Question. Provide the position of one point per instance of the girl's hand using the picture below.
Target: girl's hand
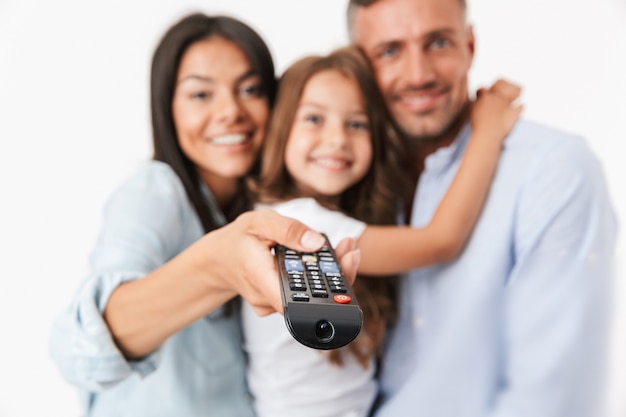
(495, 112)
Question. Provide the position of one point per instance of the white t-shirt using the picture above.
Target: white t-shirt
(289, 379)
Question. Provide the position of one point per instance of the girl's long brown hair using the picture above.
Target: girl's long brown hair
(375, 199)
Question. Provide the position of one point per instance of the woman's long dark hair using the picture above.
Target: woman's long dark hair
(165, 64)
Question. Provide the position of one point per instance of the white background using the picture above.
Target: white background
(74, 122)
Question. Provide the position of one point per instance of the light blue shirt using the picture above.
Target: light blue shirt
(518, 325)
(199, 371)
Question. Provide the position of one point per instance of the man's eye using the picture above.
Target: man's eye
(388, 52)
(439, 44)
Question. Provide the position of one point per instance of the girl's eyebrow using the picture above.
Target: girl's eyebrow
(358, 112)
(310, 104)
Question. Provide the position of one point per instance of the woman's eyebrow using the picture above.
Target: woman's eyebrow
(196, 78)
(249, 73)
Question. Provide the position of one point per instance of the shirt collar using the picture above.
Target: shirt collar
(444, 157)
(216, 212)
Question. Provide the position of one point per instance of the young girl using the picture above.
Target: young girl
(333, 161)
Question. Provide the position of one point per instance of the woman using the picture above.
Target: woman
(148, 333)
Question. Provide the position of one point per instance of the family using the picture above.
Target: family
(480, 245)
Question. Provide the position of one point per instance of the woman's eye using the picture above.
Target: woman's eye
(201, 95)
(252, 90)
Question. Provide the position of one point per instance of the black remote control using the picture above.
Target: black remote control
(320, 308)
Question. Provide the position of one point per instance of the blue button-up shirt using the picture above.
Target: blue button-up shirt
(199, 371)
(517, 326)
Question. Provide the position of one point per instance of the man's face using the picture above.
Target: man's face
(421, 51)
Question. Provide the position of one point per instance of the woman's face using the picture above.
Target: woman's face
(329, 147)
(220, 112)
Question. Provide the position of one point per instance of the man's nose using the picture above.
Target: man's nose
(419, 70)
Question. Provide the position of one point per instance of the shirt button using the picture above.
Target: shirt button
(418, 321)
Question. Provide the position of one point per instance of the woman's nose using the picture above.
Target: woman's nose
(227, 108)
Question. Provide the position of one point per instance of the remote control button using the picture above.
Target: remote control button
(342, 299)
(329, 267)
(320, 293)
(309, 259)
(299, 296)
(292, 265)
(297, 287)
(335, 288)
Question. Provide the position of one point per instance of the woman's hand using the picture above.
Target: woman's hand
(235, 259)
(239, 256)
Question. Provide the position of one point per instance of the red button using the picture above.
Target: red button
(342, 299)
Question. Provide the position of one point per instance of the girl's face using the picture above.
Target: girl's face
(329, 147)
(220, 112)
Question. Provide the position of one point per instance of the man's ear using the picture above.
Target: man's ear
(471, 44)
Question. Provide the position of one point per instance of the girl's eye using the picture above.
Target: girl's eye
(313, 119)
(357, 125)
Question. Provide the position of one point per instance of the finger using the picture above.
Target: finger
(270, 226)
(265, 311)
(506, 89)
(350, 264)
(346, 245)
(349, 257)
(480, 92)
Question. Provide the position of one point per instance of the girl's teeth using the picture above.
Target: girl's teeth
(331, 163)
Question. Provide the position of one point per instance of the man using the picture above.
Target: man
(517, 326)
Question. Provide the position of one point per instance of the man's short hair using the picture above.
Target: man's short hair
(353, 5)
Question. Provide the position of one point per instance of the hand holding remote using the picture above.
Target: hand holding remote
(320, 308)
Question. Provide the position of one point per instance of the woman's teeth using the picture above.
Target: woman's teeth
(233, 139)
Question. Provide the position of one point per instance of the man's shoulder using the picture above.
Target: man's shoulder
(534, 140)
(530, 133)
(545, 152)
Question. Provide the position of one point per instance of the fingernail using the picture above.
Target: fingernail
(311, 240)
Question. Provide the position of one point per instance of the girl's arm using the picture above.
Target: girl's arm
(492, 118)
